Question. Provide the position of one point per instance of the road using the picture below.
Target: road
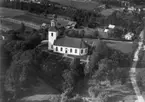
(133, 69)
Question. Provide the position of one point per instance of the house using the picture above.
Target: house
(129, 36)
(110, 26)
(65, 45)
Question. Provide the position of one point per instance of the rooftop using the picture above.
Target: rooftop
(70, 42)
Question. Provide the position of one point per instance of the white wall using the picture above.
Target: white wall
(68, 50)
(84, 51)
(51, 39)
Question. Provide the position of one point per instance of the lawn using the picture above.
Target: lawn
(33, 19)
(11, 25)
(7, 12)
(22, 15)
(78, 4)
(124, 47)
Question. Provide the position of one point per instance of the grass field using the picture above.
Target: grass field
(12, 26)
(34, 19)
(124, 47)
(22, 15)
(10, 12)
(121, 46)
(78, 4)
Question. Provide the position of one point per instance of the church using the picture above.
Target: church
(65, 45)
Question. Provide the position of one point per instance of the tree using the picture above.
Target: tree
(81, 33)
(21, 29)
(69, 82)
(141, 79)
(4, 60)
(22, 72)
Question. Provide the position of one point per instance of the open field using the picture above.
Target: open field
(22, 15)
(12, 26)
(10, 12)
(78, 4)
(30, 18)
(124, 47)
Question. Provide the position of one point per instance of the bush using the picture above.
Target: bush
(69, 78)
(141, 79)
(76, 98)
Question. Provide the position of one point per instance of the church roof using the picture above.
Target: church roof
(70, 42)
(53, 29)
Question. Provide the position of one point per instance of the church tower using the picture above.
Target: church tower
(52, 34)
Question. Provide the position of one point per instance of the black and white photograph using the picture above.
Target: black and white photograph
(72, 50)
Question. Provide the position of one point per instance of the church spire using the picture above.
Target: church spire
(53, 21)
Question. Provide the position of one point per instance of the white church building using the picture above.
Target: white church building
(65, 45)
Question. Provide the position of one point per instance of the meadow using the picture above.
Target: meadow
(78, 4)
(7, 12)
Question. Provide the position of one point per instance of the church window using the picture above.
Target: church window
(86, 50)
(51, 34)
(61, 49)
(52, 46)
(70, 50)
(82, 51)
(56, 48)
(75, 50)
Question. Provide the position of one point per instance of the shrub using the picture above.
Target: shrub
(141, 79)
(69, 78)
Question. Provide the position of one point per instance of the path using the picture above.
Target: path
(133, 70)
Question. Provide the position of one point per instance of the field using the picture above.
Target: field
(124, 47)
(12, 26)
(10, 12)
(77, 4)
(31, 18)
(22, 15)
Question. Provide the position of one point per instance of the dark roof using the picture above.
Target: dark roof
(70, 42)
(63, 22)
(53, 29)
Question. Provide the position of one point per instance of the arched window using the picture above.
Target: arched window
(70, 50)
(75, 50)
(81, 51)
(51, 34)
(56, 49)
(61, 49)
(86, 50)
